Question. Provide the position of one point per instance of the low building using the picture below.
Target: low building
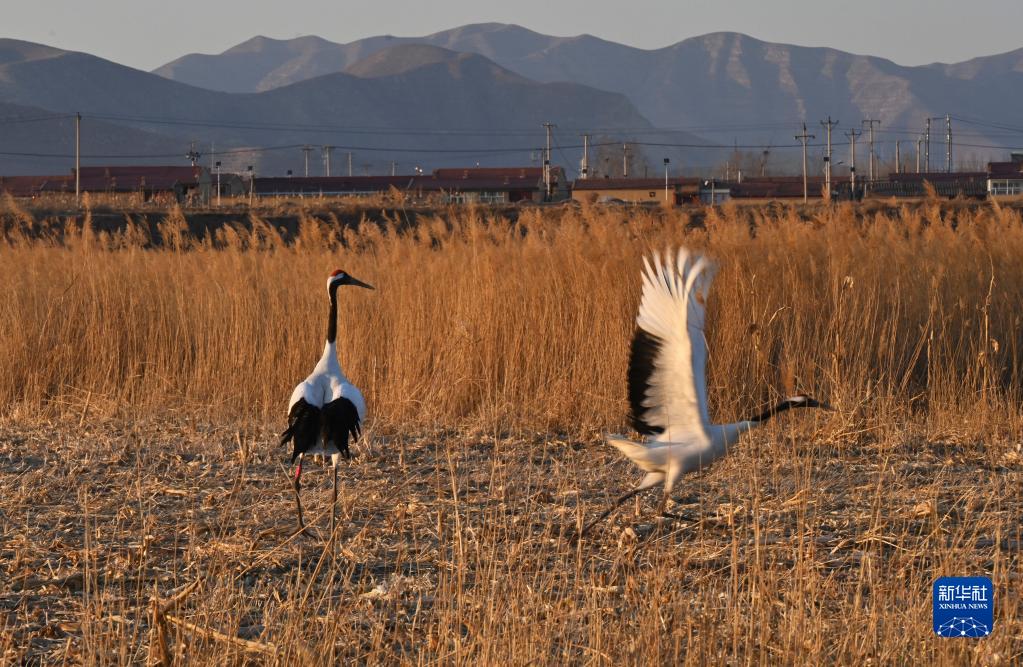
(773, 188)
(494, 185)
(674, 191)
(184, 184)
(328, 186)
(227, 184)
(970, 184)
(1005, 179)
(24, 186)
(187, 184)
(471, 185)
(714, 192)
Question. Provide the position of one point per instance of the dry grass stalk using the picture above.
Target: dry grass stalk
(151, 381)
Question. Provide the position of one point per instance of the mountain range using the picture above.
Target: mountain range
(479, 93)
(413, 104)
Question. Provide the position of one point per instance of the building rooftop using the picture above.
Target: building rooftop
(1012, 169)
(631, 183)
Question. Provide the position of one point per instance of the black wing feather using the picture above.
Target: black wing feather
(304, 425)
(340, 421)
(645, 348)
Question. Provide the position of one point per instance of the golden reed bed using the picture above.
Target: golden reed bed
(141, 386)
(476, 319)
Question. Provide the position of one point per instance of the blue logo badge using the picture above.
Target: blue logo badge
(964, 607)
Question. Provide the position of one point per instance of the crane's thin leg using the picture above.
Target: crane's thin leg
(608, 511)
(661, 508)
(295, 485)
(333, 507)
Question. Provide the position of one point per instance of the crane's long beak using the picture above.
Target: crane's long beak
(359, 283)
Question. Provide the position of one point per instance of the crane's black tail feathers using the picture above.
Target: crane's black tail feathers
(337, 423)
(303, 428)
(340, 424)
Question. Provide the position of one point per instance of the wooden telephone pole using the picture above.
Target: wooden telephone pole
(803, 138)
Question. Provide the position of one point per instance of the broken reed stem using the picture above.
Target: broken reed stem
(159, 652)
(209, 633)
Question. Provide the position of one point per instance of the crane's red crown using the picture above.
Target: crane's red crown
(336, 272)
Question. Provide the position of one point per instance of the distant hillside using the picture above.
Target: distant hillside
(727, 86)
(446, 109)
(405, 58)
(262, 63)
(32, 141)
(13, 50)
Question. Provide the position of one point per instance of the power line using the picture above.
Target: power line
(568, 163)
(980, 123)
(235, 124)
(34, 119)
(139, 156)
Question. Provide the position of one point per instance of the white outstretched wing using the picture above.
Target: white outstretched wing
(667, 369)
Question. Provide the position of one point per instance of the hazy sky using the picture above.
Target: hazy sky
(147, 33)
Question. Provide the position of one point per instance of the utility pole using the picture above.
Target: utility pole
(547, 126)
(763, 162)
(585, 171)
(193, 155)
(394, 168)
(919, 140)
(306, 150)
(827, 158)
(872, 166)
(898, 157)
(78, 159)
(666, 162)
(948, 143)
(625, 160)
(852, 134)
(349, 163)
(927, 147)
(802, 138)
(326, 159)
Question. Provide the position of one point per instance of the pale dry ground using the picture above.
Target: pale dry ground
(811, 545)
(142, 390)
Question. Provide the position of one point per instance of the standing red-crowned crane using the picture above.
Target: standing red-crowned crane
(668, 381)
(325, 410)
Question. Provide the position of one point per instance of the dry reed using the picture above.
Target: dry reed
(141, 385)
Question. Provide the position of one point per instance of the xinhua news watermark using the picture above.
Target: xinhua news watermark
(964, 607)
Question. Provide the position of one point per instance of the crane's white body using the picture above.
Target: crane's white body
(666, 461)
(325, 411)
(668, 381)
(327, 383)
(676, 396)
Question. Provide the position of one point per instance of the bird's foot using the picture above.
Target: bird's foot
(691, 499)
(574, 535)
(306, 531)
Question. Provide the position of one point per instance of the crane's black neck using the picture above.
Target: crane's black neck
(332, 317)
(787, 404)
